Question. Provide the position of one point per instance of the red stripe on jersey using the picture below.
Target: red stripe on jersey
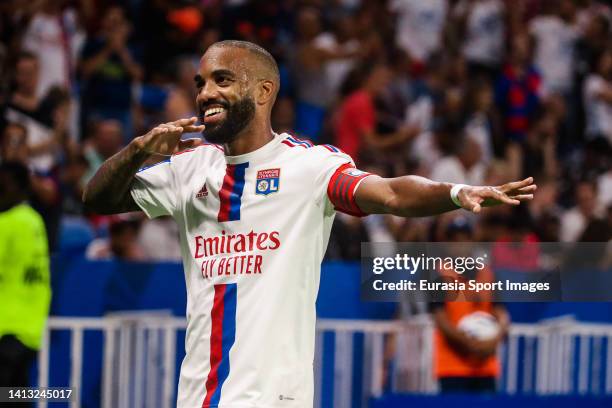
(341, 190)
(332, 187)
(225, 192)
(292, 144)
(307, 141)
(288, 143)
(216, 344)
(214, 145)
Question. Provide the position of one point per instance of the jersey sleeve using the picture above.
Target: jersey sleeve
(339, 180)
(154, 190)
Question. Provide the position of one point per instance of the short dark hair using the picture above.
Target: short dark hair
(261, 53)
(26, 55)
(19, 173)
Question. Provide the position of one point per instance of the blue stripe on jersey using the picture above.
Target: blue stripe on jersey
(229, 336)
(300, 142)
(236, 194)
(167, 160)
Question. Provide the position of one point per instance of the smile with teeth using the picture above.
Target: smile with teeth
(213, 111)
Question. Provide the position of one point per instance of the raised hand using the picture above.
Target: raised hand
(108, 192)
(165, 139)
(473, 198)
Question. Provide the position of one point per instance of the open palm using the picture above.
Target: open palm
(473, 198)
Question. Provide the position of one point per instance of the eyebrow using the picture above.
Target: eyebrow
(226, 72)
(198, 78)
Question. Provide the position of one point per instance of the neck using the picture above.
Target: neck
(8, 206)
(251, 138)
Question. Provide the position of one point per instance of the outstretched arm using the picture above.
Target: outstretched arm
(414, 196)
(108, 192)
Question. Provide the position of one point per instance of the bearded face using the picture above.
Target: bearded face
(225, 120)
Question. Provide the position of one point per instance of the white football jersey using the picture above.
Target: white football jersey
(253, 231)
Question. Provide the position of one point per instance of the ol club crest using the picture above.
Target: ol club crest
(267, 181)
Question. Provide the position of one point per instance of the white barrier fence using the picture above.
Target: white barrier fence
(559, 356)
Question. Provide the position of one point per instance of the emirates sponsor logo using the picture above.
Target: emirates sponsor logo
(235, 243)
(234, 254)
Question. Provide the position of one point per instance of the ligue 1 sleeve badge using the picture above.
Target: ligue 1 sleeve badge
(267, 181)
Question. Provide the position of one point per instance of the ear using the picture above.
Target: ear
(265, 91)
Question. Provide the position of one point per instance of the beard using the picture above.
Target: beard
(238, 116)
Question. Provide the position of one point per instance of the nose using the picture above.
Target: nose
(208, 92)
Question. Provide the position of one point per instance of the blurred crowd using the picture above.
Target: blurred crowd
(464, 91)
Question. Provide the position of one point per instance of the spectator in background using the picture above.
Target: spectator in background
(182, 93)
(13, 144)
(517, 90)
(483, 24)
(27, 77)
(545, 211)
(71, 184)
(45, 119)
(597, 94)
(122, 243)
(24, 277)
(464, 363)
(106, 140)
(537, 155)
(555, 35)
(420, 27)
(591, 44)
(55, 36)
(574, 221)
(179, 103)
(109, 68)
(283, 115)
(483, 122)
(591, 162)
(604, 186)
(309, 63)
(463, 167)
(355, 121)
(45, 194)
(341, 40)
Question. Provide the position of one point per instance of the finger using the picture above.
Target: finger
(528, 189)
(184, 122)
(159, 130)
(505, 199)
(172, 128)
(472, 206)
(516, 185)
(499, 196)
(189, 143)
(194, 128)
(523, 197)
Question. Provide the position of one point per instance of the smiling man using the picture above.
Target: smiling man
(255, 209)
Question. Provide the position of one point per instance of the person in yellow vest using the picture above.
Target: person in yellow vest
(467, 332)
(25, 291)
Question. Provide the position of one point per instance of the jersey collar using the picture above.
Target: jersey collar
(262, 153)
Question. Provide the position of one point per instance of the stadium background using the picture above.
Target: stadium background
(480, 92)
